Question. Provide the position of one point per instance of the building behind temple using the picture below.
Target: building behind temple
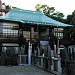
(3, 9)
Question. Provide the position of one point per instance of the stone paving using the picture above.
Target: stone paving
(22, 70)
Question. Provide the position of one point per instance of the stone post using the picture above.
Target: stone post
(29, 54)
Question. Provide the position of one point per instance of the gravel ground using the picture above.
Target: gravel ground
(22, 70)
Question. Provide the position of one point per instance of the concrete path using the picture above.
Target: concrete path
(22, 70)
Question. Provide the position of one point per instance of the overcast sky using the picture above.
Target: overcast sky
(64, 6)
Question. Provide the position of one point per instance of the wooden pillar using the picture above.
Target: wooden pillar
(37, 38)
(50, 31)
(38, 44)
(20, 35)
(49, 51)
(57, 41)
(32, 32)
(38, 35)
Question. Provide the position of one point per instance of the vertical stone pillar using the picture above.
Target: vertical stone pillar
(55, 57)
(29, 53)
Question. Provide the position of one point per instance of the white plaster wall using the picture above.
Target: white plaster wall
(10, 23)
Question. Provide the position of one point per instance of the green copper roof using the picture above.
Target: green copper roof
(34, 17)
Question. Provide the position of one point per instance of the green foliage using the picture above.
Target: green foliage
(73, 13)
(8, 7)
(37, 7)
(71, 18)
(45, 9)
(49, 11)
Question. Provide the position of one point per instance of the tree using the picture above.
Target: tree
(73, 18)
(49, 11)
(58, 14)
(45, 9)
(8, 7)
(71, 31)
(37, 7)
(69, 18)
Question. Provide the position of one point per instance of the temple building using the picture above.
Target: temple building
(25, 33)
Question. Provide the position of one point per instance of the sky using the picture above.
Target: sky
(64, 6)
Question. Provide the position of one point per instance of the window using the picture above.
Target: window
(10, 31)
(58, 32)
